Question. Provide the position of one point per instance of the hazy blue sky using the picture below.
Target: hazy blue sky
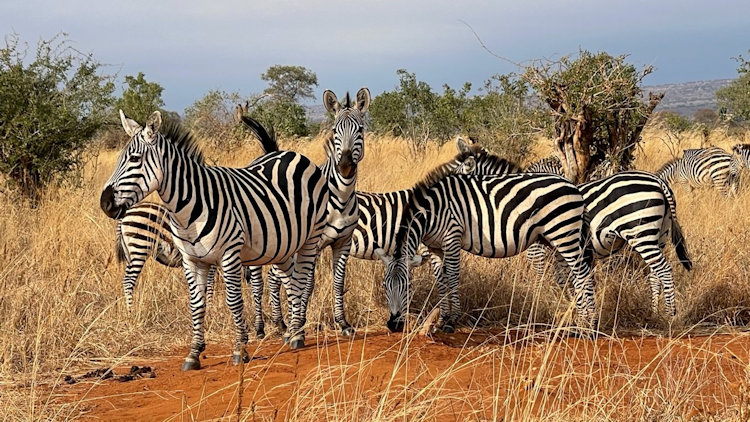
(191, 47)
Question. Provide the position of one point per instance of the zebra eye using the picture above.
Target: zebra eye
(134, 158)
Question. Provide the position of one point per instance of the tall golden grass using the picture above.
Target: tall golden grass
(62, 305)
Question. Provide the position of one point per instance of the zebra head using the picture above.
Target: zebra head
(348, 129)
(742, 151)
(138, 171)
(472, 158)
(397, 285)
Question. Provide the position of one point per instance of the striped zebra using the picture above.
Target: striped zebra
(491, 216)
(634, 208)
(742, 154)
(270, 212)
(344, 150)
(703, 167)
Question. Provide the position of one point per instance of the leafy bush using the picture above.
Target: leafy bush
(213, 117)
(734, 100)
(50, 108)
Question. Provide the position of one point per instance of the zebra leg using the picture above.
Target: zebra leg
(660, 276)
(254, 277)
(583, 287)
(231, 266)
(450, 278)
(299, 288)
(275, 277)
(132, 272)
(436, 261)
(340, 256)
(537, 255)
(196, 274)
(210, 284)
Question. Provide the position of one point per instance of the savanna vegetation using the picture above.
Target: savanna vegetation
(64, 313)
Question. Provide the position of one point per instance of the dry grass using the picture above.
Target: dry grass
(62, 305)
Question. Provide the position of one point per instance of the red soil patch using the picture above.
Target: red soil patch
(482, 376)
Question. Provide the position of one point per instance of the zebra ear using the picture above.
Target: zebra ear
(330, 101)
(461, 145)
(130, 125)
(363, 99)
(152, 126)
(387, 259)
(415, 261)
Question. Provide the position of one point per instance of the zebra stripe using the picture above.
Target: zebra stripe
(344, 150)
(490, 216)
(271, 212)
(702, 167)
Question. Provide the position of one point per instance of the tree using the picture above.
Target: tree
(213, 117)
(734, 99)
(285, 117)
(50, 108)
(290, 83)
(705, 116)
(597, 107)
(140, 98)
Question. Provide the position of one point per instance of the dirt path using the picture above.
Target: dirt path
(485, 375)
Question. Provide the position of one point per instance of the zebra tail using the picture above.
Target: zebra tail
(588, 244)
(678, 240)
(268, 142)
(120, 244)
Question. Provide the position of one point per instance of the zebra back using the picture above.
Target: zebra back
(549, 164)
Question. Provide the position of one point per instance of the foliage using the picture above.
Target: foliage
(50, 108)
(734, 100)
(212, 116)
(598, 111)
(287, 118)
(498, 116)
(290, 83)
(672, 121)
(140, 98)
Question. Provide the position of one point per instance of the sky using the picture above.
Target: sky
(191, 47)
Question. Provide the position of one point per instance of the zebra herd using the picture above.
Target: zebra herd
(282, 210)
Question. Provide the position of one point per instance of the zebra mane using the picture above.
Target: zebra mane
(545, 162)
(347, 101)
(183, 139)
(496, 161)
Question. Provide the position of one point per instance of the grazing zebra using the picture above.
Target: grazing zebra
(272, 211)
(491, 216)
(702, 167)
(344, 150)
(630, 207)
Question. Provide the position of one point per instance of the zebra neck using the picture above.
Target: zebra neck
(413, 227)
(185, 186)
(340, 187)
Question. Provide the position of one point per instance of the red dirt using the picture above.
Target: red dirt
(457, 376)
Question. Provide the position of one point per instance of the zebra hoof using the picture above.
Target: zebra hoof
(448, 329)
(239, 357)
(191, 364)
(285, 338)
(297, 344)
(260, 335)
(347, 331)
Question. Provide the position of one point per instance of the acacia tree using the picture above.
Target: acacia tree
(597, 107)
(50, 108)
(290, 83)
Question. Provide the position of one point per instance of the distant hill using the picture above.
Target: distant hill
(684, 98)
(688, 97)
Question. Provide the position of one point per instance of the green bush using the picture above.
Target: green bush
(50, 107)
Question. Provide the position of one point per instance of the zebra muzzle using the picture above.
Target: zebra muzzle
(346, 166)
(107, 203)
(395, 323)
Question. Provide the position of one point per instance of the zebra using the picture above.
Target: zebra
(491, 216)
(633, 207)
(742, 154)
(702, 167)
(344, 150)
(272, 211)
